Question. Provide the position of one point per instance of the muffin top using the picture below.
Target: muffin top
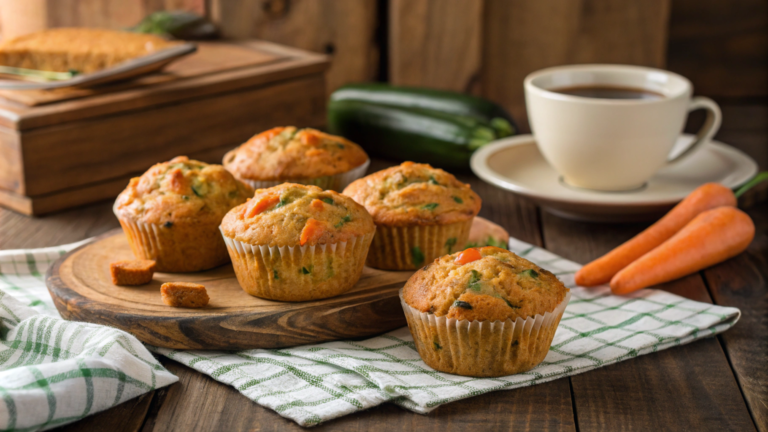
(285, 153)
(292, 214)
(487, 283)
(414, 194)
(181, 190)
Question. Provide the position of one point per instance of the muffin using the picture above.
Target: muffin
(483, 312)
(84, 50)
(171, 214)
(292, 155)
(420, 212)
(296, 243)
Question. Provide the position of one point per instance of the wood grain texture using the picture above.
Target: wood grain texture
(742, 282)
(62, 167)
(343, 29)
(82, 290)
(126, 417)
(19, 231)
(690, 387)
(721, 46)
(199, 403)
(200, 82)
(522, 36)
(436, 43)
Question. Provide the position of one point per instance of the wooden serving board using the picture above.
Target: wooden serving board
(81, 287)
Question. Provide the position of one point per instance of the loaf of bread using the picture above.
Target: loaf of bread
(77, 49)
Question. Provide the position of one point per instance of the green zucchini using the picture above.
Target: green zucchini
(433, 100)
(442, 139)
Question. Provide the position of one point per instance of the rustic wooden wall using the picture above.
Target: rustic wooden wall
(722, 46)
(522, 36)
(436, 43)
(344, 29)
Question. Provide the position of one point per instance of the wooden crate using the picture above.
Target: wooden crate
(60, 149)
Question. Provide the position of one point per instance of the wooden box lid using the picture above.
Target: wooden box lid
(216, 67)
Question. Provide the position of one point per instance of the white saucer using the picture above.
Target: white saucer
(515, 164)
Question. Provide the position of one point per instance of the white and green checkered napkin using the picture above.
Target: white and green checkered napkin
(54, 371)
(315, 383)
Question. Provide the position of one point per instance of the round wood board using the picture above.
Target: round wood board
(82, 290)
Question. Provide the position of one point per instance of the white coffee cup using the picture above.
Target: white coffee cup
(612, 144)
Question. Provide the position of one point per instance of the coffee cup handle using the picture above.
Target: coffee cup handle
(711, 125)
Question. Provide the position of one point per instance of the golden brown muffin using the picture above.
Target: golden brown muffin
(494, 288)
(420, 212)
(292, 155)
(295, 243)
(83, 50)
(171, 214)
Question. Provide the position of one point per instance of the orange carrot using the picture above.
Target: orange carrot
(316, 205)
(705, 197)
(262, 204)
(468, 256)
(711, 237)
(312, 230)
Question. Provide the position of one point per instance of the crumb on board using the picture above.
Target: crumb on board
(132, 272)
(184, 294)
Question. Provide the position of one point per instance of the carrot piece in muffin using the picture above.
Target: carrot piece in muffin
(316, 204)
(312, 230)
(184, 294)
(468, 256)
(263, 204)
(132, 272)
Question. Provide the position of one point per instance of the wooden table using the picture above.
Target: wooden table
(718, 383)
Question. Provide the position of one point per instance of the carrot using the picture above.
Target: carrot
(468, 256)
(256, 207)
(705, 197)
(312, 230)
(316, 205)
(711, 237)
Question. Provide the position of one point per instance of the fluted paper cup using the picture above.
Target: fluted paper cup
(335, 182)
(410, 247)
(482, 348)
(176, 247)
(298, 273)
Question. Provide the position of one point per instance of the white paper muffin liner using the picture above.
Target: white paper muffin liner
(482, 348)
(179, 248)
(410, 247)
(335, 182)
(298, 273)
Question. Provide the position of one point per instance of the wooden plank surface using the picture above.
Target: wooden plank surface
(737, 283)
(436, 43)
(522, 36)
(343, 29)
(636, 393)
(690, 387)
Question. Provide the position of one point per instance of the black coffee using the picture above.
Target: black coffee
(605, 92)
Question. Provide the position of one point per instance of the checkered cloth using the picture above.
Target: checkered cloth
(54, 371)
(315, 383)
